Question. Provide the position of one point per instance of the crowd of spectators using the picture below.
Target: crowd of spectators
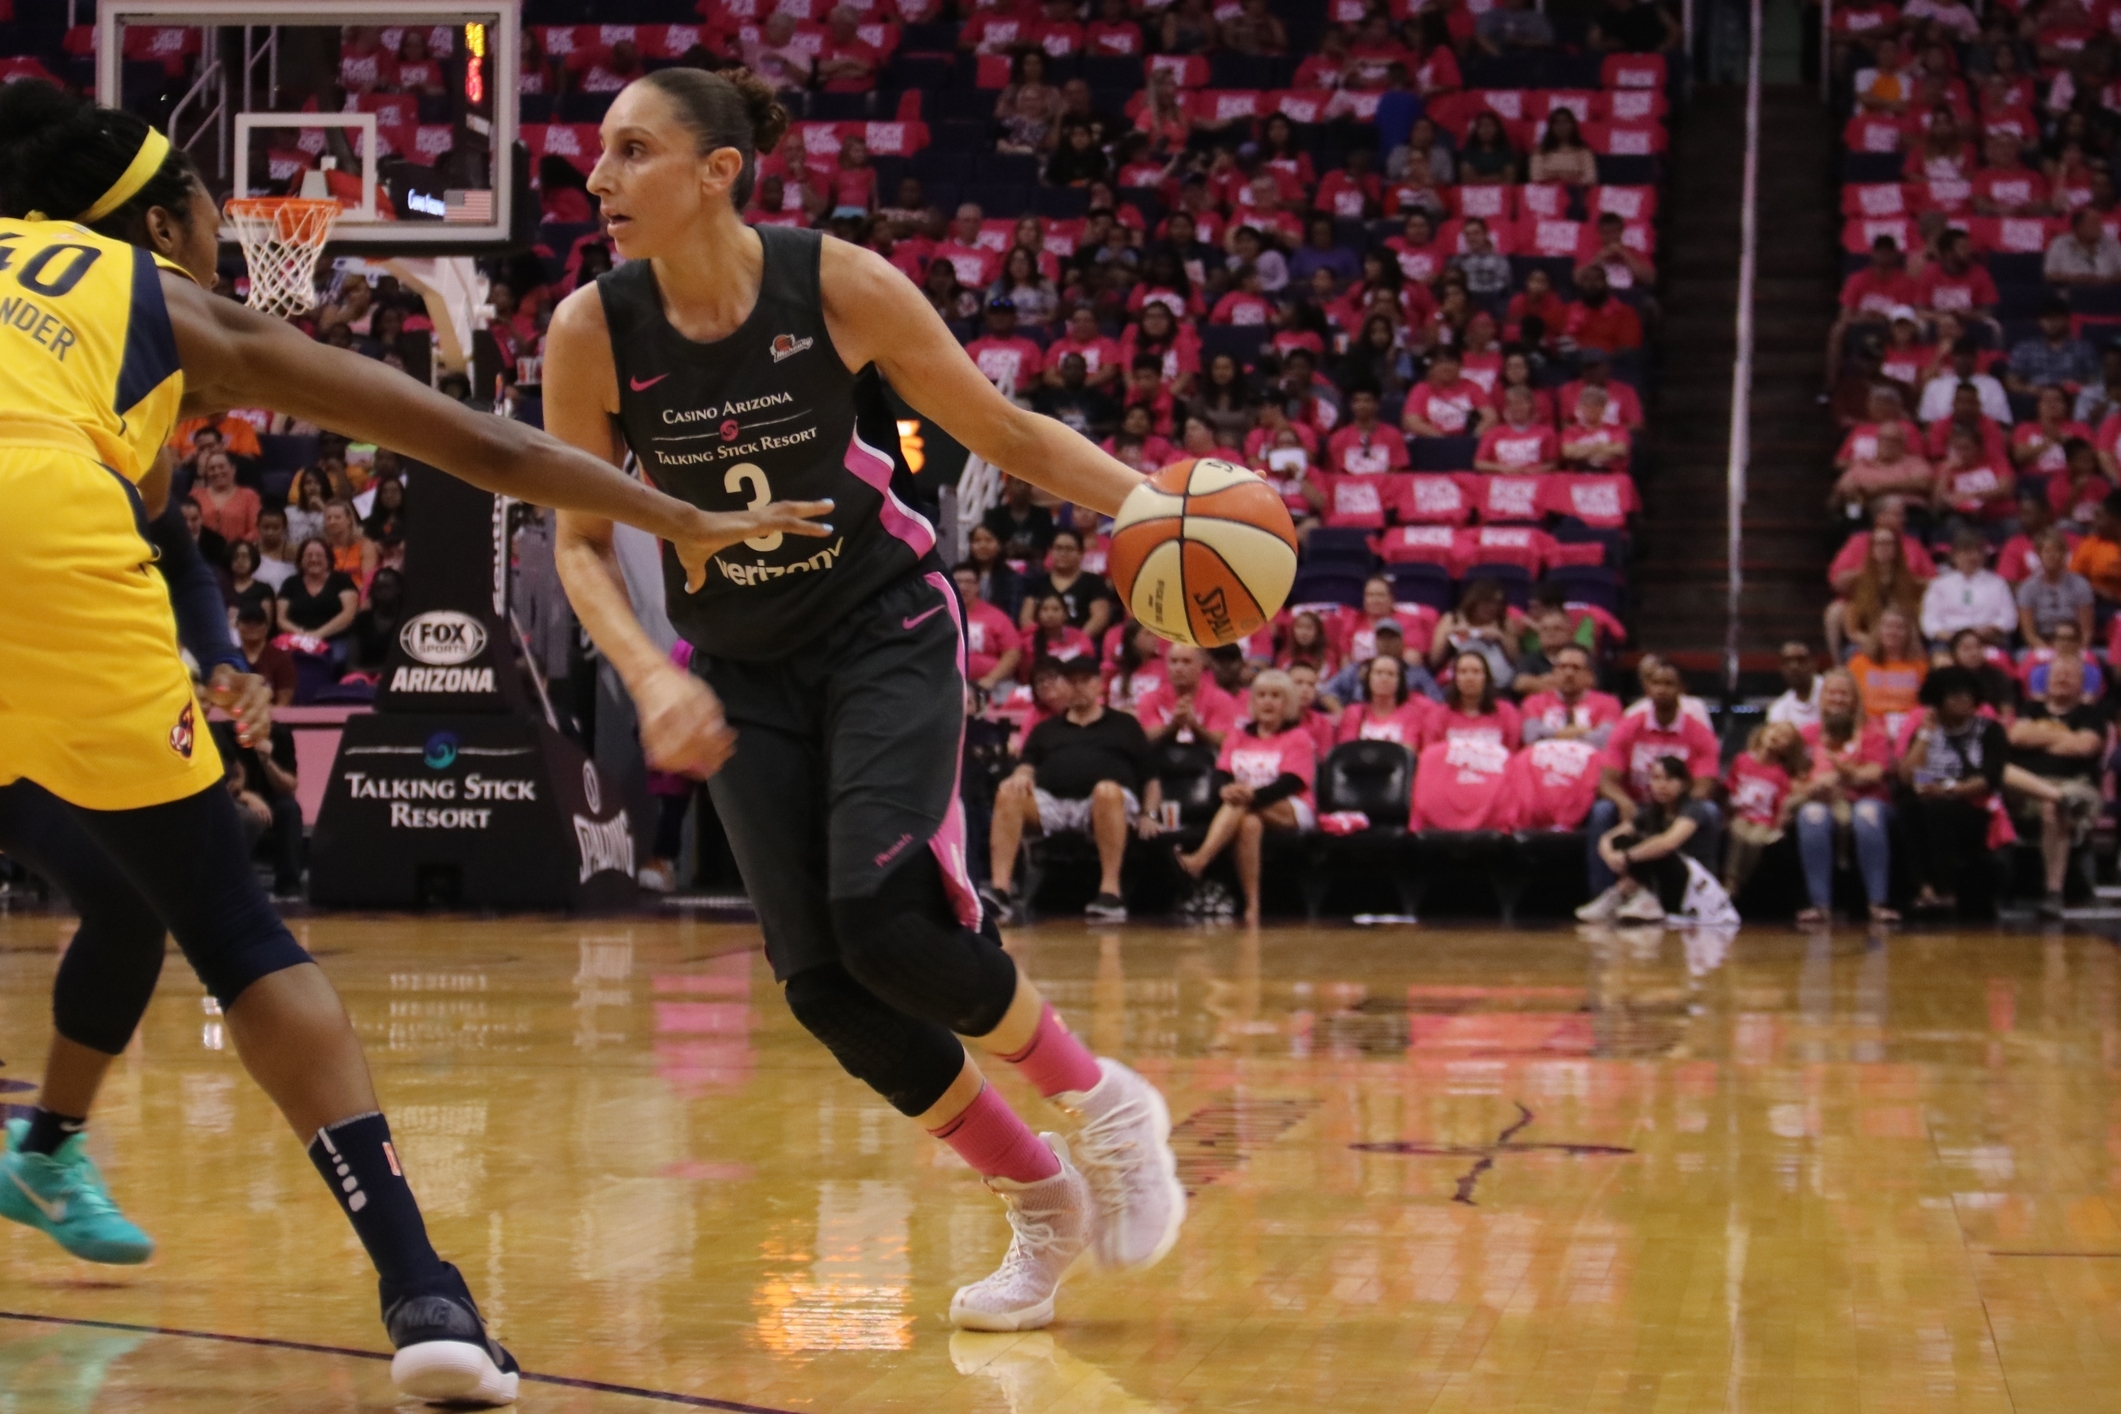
(1400, 262)
(1976, 384)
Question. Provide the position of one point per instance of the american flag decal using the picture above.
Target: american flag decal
(462, 205)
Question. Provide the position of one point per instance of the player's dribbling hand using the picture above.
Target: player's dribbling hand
(683, 730)
(721, 529)
(245, 697)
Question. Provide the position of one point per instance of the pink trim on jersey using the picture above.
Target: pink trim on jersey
(907, 524)
(948, 842)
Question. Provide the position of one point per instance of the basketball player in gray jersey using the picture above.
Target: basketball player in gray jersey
(825, 695)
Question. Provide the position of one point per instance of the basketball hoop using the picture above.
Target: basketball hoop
(281, 238)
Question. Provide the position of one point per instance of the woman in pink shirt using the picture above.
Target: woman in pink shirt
(1051, 636)
(1470, 707)
(1387, 712)
(1272, 762)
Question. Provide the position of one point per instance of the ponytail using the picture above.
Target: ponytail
(733, 108)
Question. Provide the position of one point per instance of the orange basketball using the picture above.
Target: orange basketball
(1203, 552)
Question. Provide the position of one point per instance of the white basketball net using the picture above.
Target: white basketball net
(281, 238)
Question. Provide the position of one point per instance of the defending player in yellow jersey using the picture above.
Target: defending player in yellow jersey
(104, 334)
(95, 703)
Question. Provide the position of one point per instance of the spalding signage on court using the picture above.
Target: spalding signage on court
(442, 638)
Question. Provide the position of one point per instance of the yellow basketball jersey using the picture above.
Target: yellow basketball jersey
(88, 362)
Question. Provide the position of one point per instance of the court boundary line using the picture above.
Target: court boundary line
(690, 1401)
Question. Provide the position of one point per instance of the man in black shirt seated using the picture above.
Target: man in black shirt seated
(1088, 771)
(1024, 527)
(2061, 742)
(1076, 403)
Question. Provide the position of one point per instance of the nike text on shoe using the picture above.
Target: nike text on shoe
(1053, 1221)
(444, 1354)
(63, 1196)
(1124, 1148)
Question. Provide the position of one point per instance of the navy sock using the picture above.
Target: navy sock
(48, 1129)
(358, 1160)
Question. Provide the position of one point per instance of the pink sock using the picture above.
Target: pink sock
(1055, 1061)
(990, 1137)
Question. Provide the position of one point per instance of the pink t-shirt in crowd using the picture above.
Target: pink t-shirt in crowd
(1757, 789)
(1448, 724)
(1259, 762)
(1404, 725)
(1459, 786)
(1553, 783)
(1638, 742)
(1215, 710)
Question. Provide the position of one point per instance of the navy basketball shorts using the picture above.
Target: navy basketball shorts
(847, 759)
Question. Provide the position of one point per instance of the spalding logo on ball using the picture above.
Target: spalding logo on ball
(1203, 552)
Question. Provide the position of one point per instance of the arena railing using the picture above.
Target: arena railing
(1742, 362)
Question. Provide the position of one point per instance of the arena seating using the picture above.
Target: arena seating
(1967, 163)
(1315, 224)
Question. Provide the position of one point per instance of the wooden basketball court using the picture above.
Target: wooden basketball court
(1434, 1169)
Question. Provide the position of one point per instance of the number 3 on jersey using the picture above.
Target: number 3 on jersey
(745, 476)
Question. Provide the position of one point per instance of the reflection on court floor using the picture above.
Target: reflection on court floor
(1433, 1169)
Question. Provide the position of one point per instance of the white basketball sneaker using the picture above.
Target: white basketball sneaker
(1124, 1147)
(1602, 908)
(1054, 1220)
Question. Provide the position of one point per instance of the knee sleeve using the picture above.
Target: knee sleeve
(188, 859)
(109, 973)
(908, 1061)
(110, 968)
(905, 945)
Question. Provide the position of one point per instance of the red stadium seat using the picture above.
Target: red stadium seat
(1632, 203)
(1503, 499)
(1877, 200)
(1420, 545)
(1301, 105)
(1633, 71)
(1494, 203)
(1629, 139)
(577, 142)
(1223, 105)
(1603, 502)
(1434, 499)
(1191, 70)
(1625, 105)
(1358, 502)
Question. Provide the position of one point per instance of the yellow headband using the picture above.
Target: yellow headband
(154, 150)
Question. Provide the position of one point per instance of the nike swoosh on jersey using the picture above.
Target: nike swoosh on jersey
(642, 385)
(918, 619)
(56, 1212)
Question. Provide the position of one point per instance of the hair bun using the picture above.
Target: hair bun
(769, 120)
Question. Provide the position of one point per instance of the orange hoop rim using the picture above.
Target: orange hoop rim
(261, 204)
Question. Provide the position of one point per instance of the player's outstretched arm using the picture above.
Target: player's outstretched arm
(235, 357)
(876, 316)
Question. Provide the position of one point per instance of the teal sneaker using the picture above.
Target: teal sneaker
(62, 1194)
